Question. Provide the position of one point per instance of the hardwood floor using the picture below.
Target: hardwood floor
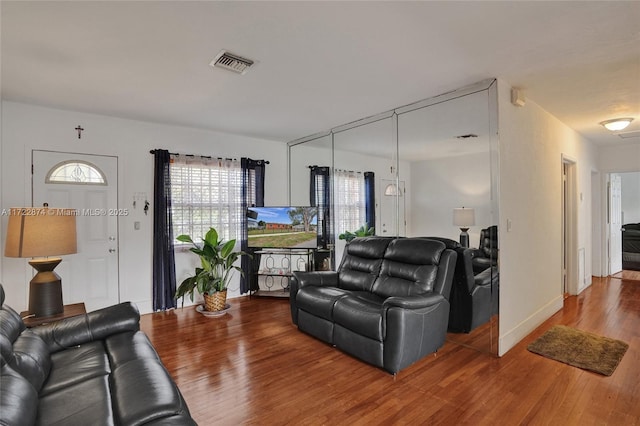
(253, 366)
(628, 274)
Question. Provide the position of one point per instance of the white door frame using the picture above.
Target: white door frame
(569, 226)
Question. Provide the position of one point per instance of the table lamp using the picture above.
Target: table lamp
(39, 232)
(464, 218)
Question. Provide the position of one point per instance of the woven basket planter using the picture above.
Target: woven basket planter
(216, 301)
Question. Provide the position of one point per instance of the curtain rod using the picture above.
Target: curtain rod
(153, 151)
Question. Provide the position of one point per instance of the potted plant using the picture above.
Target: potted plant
(363, 231)
(217, 260)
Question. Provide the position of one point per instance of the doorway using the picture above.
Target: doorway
(88, 184)
(569, 228)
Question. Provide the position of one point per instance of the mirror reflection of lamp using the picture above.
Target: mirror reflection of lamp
(464, 218)
(392, 190)
(39, 232)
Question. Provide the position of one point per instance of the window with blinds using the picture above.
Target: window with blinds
(206, 193)
(350, 200)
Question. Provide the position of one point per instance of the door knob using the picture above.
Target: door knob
(112, 250)
(112, 238)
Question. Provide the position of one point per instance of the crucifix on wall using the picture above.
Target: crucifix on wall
(79, 130)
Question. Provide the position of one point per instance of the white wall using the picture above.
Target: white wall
(532, 143)
(630, 197)
(27, 127)
(624, 157)
(442, 184)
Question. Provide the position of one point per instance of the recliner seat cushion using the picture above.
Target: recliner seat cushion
(75, 365)
(80, 404)
(140, 393)
(362, 315)
(319, 301)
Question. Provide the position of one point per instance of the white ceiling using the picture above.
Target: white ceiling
(320, 64)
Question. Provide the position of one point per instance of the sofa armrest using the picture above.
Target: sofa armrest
(308, 278)
(413, 302)
(95, 325)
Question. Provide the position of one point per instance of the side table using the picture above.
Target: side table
(72, 310)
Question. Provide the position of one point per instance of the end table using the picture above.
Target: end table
(69, 311)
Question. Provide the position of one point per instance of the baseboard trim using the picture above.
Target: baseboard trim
(510, 338)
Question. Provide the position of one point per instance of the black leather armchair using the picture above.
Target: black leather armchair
(387, 304)
(486, 255)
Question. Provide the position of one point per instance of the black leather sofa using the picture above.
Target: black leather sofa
(387, 304)
(631, 246)
(94, 369)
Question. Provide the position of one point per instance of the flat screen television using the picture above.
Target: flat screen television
(282, 227)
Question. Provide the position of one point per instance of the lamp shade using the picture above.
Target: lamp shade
(40, 232)
(464, 217)
(392, 190)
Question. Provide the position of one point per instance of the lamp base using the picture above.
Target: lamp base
(45, 289)
(464, 237)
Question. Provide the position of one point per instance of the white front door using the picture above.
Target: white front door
(89, 184)
(615, 224)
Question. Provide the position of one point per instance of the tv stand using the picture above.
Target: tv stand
(277, 267)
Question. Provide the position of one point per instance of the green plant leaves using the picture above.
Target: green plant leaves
(217, 260)
(185, 239)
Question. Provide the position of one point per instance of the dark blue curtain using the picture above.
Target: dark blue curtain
(320, 196)
(253, 172)
(370, 198)
(164, 269)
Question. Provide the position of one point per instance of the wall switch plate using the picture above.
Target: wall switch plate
(136, 225)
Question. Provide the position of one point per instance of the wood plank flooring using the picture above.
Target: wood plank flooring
(252, 366)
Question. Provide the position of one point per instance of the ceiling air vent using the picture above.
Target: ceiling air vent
(628, 135)
(231, 62)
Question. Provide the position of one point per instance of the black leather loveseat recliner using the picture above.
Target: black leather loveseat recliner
(387, 304)
(93, 369)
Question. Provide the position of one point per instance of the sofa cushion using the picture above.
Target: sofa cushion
(84, 403)
(18, 398)
(75, 365)
(362, 314)
(410, 267)
(361, 262)
(319, 301)
(31, 358)
(143, 391)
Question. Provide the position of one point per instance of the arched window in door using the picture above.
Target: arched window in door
(76, 172)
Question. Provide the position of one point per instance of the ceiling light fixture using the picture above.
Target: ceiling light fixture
(617, 123)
